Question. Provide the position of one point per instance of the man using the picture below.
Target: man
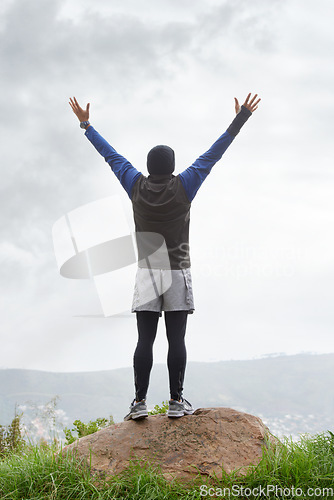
(161, 206)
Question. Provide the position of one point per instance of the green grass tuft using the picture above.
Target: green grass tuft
(160, 409)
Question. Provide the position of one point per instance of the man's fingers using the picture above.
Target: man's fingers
(87, 107)
(247, 98)
(74, 104)
(254, 106)
(251, 103)
(236, 104)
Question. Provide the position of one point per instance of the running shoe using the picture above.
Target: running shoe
(179, 408)
(137, 410)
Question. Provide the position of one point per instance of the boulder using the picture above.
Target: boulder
(203, 443)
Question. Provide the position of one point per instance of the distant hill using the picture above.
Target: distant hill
(291, 393)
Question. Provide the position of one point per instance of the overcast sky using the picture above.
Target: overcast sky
(166, 72)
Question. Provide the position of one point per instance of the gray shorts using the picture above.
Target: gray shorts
(163, 290)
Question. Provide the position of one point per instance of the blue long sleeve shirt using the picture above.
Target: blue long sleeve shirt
(161, 203)
(191, 178)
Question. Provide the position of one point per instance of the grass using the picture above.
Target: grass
(40, 472)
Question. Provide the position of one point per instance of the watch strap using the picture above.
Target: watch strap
(84, 124)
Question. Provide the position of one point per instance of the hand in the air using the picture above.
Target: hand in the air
(252, 104)
(82, 114)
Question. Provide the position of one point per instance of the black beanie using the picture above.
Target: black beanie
(161, 160)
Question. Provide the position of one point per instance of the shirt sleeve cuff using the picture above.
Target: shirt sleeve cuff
(89, 130)
(239, 121)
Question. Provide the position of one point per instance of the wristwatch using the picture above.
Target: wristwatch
(84, 124)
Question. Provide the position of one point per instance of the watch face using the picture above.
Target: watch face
(84, 124)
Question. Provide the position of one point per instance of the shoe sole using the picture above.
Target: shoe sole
(180, 413)
(139, 414)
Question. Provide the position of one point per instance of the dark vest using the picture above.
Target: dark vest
(160, 206)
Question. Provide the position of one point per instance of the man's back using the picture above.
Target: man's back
(160, 205)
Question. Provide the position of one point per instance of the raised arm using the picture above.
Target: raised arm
(122, 168)
(193, 177)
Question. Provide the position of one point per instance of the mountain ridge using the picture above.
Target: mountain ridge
(271, 387)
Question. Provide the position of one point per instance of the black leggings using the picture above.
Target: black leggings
(147, 323)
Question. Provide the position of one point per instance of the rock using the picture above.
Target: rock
(203, 443)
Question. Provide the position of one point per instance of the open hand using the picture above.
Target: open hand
(252, 104)
(82, 114)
